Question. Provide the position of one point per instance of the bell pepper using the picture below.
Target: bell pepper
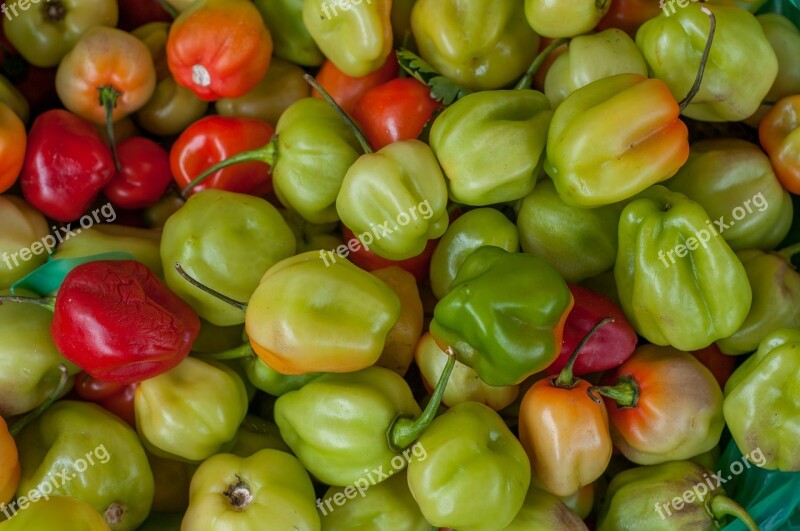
(689, 300)
(66, 165)
(355, 36)
(257, 434)
(504, 315)
(281, 87)
(561, 19)
(495, 42)
(759, 402)
(291, 39)
(57, 512)
(308, 315)
(247, 237)
(23, 228)
(11, 96)
(191, 411)
(116, 398)
(779, 134)
(740, 51)
(44, 34)
(9, 464)
(468, 232)
(13, 141)
(144, 177)
(663, 405)
(470, 446)
(270, 487)
(542, 510)
(674, 495)
(219, 48)
(398, 349)
(171, 109)
(81, 450)
(347, 90)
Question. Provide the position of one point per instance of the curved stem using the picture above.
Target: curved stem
(787, 253)
(625, 391)
(703, 60)
(264, 154)
(351, 124)
(52, 397)
(565, 378)
(169, 8)
(722, 506)
(45, 302)
(214, 293)
(242, 351)
(108, 100)
(526, 80)
(405, 431)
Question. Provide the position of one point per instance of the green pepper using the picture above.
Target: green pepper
(504, 315)
(44, 34)
(257, 434)
(215, 338)
(192, 411)
(290, 38)
(480, 44)
(542, 510)
(269, 488)
(312, 236)
(246, 237)
(14, 99)
(25, 240)
(57, 512)
(471, 230)
(79, 449)
(565, 19)
(271, 381)
(673, 43)
(401, 21)
(171, 109)
(476, 473)
(491, 144)
(679, 283)
(732, 178)
(761, 407)
(579, 242)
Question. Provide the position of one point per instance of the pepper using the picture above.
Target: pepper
(11, 96)
(499, 47)
(720, 365)
(13, 141)
(44, 34)
(779, 134)
(171, 109)
(50, 514)
(398, 349)
(555, 19)
(542, 510)
(109, 467)
(367, 260)
(269, 487)
(759, 404)
(628, 15)
(144, 177)
(257, 434)
(116, 398)
(347, 90)
(267, 379)
(525, 300)
(784, 37)
(192, 411)
(466, 446)
(291, 38)
(9, 464)
(23, 226)
(689, 300)
(171, 478)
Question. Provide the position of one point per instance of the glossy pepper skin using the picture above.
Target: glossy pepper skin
(759, 406)
(542, 510)
(504, 315)
(9, 464)
(478, 51)
(779, 134)
(268, 488)
(347, 90)
(628, 153)
(308, 315)
(562, 19)
(466, 446)
(23, 225)
(144, 177)
(64, 190)
(356, 38)
(739, 46)
(171, 109)
(291, 39)
(702, 297)
(13, 141)
(50, 514)
(119, 483)
(118, 322)
(116, 398)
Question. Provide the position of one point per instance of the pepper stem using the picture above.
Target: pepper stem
(242, 351)
(108, 100)
(45, 302)
(565, 379)
(788, 253)
(405, 431)
(214, 293)
(265, 154)
(625, 391)
(52, 397)
(351, 124)
(722, 506)
(526, 80)
(169, 8)
(239, 494)
(703, 60)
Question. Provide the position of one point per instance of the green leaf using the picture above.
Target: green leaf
(443, 89)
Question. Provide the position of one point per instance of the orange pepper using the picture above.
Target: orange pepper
(346, 90)
(12, 146)
(9, 464)
(779, 133)
(398, 349)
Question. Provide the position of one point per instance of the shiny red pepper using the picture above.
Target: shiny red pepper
(116, 398)
(66, 165)
(347, 90)
(144, 177)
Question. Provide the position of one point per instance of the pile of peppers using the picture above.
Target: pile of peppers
(399, 265)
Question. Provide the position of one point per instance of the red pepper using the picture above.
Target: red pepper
(66, 165)
(628, 15)
(610, 345)
(346, 90)
(144, 177)
(367, 260)
(215, 138)
(721, 365)
(135, 13)
(116, 398)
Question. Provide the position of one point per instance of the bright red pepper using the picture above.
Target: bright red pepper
(215, 138)
(116, 398)
(66, 165)
(367, 260)
(346, 90)
(144, 177)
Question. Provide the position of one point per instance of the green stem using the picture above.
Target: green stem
(526, 80)
(722, 506)
(214, 293)
(44, 302)
(565, 379)
(264, 154)
(169, 8)
(351, 124)
(404, 431)
(625, 391)
(52, 397)
(236, 353)
(787, 253)
(703, 61)
(108, 100)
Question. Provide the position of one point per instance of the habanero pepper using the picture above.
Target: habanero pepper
(116, 398)
(779, 134)
(144, 175)
(564, 19)
(367, 260)
(291, 38)
(9, 464)
(13, 141)
(347, 90)
(48, 513)
(628, 15)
